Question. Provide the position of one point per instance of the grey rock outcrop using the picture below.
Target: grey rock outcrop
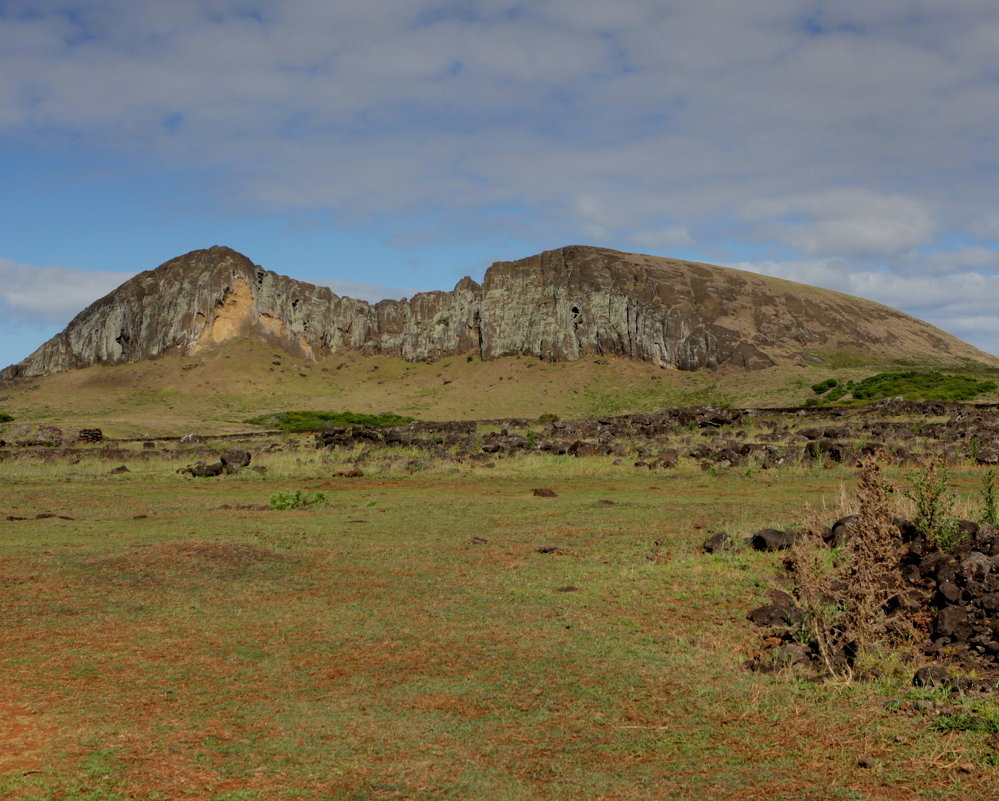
(559, 305)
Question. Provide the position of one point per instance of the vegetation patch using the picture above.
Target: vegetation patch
(886, 587)
(5, 418)
(281, 501)
(174, 642)
(908, 384)
(982, 716)
(915, 385)
(317, 421)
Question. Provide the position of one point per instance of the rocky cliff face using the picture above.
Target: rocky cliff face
(559, 305)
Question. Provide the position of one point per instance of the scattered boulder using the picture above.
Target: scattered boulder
(234, 460)
(988, 456)
(544, 492)
(778, 613)
(41, 437)
(954, 622)
(772, 539)
(840, 531)
(721, 542)
(949, 593)
(202, 470)
(932, 676)
(91, 435)
(230, 462)
(580, 448)
(974, 567)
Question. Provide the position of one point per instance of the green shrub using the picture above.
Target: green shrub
(935, 518)
(5, 418)
(835, 394)
(317, 421)
(548, 417)
(915, 385)
(824, 386)
(282, 501)
(910, 385)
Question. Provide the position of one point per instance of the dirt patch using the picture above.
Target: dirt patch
(156, 564)
(21, 739)
(447, 704)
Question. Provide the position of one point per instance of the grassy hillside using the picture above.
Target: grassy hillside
(217, 390)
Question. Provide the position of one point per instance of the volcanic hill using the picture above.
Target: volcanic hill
(560, 305)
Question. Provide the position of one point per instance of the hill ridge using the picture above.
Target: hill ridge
(558, 305)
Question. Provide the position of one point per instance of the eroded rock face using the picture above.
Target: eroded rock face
(559, 305)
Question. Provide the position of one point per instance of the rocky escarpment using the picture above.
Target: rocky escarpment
(559, 305)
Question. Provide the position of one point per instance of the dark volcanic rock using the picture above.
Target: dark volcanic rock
(91, 435)
(234, 460)
(933, 676)
(772, 539)
(776, 614)
(559, 305)
(202, 470)
(720, 542)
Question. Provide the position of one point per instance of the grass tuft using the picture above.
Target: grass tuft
(282, 501)
(317, 421)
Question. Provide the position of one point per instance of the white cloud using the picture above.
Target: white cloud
(845, 138)
(986, 227)
(845, 221)
(664, 114)
(672, 236)
(362, 291)
(964, 257)
(46, 295)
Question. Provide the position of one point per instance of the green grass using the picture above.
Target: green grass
(980, 716)
(916, 385)
(612, 399)
(907, 384)
(407, 640)
(282, 501)
(318, 421)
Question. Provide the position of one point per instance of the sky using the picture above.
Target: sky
(392, 146)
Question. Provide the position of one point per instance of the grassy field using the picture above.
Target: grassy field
(409, 641)
(217, 390)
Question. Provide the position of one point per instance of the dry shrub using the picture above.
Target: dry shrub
(846, 592)
(818, 590)
(872, 578)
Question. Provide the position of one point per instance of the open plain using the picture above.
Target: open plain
(435, 628)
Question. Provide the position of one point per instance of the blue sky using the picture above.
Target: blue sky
(389, 147)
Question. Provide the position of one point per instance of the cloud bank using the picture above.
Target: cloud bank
(849, 134)
(51, 295)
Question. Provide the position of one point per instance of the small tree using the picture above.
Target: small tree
(935, 518)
